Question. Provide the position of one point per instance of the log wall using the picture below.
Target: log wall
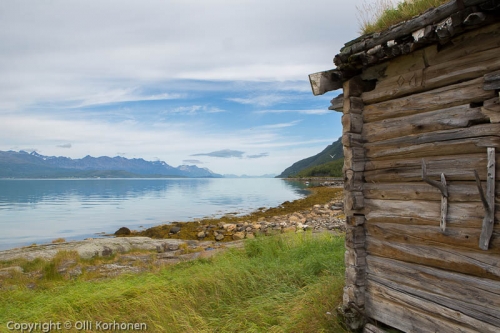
(438, 106)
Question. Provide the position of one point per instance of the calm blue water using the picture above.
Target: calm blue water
(38, 211)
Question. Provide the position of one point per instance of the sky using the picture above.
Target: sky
(221, 84)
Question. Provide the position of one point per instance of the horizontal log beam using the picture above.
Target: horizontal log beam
(437, 99)
(479, 264)
(326, 81)
(451, 118)
(482, 294)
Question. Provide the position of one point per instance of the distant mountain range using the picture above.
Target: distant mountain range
(33, 165)
(330, 158)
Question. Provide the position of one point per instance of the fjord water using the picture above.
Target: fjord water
(39, 211)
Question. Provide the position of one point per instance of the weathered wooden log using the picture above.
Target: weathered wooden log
(492, 81)
(353, 180)
(323, 82)
(458, 192)
(355, 257)
(456, 117)
(460, 214)
(354, 87)
(355, 220)
(385, 147)
(465, 68)
(337, 104)
(355, 237)
(406, 28)
(441, 98)
(424, 310)
(352, 123)
(477, 40)
(355, 295)
(488, 201)
(397, 309)
(454, 165)
(353, 105)
(480, 264)
(465, 146)
(355, 275)
(491, 109)
(482, 295)
(463, 238)
(369, 328)
(352, 140)
(354, 201)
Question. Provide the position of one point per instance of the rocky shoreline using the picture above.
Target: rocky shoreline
(201, 240)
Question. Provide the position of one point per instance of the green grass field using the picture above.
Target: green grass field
(284, 283)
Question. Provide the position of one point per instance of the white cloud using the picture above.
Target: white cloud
(63, 63)
(261, 100)
(307, 112)
(194, 109)
(280, 125)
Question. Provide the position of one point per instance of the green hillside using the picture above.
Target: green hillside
(330, 169)
(325, 157)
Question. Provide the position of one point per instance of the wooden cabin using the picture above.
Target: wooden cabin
(421, 136)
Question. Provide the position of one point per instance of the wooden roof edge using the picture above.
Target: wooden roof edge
(437, 25)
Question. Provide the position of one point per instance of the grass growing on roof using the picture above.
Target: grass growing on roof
(284, 283)
(382, 14)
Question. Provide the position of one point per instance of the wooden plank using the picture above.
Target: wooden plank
(453, 147)
(353, 105)
(427, 304)
(398, 311)
(444, 205)
(491, 109)
(352, 123)
(355, 220)
(465, 68)
(455, 167)
(352, 140)
(477, 40)
(437, 136)
(323, 82)
(354, 200)
(353, 180)
(406, 28)
(489, 218)
(455, 117)
(355, 276)
(460, 214)
(472, 292)
(369, 328)
(458, 191)
(352, 155)
(468, 67)
(480, 264)
(492, 81)
(464, 238)
(396, 86)
(337, 104)
(354, 87)
(441, 98)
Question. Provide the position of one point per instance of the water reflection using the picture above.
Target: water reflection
(42, 210)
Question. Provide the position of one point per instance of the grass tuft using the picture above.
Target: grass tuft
(284, 283)
(382, 14)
